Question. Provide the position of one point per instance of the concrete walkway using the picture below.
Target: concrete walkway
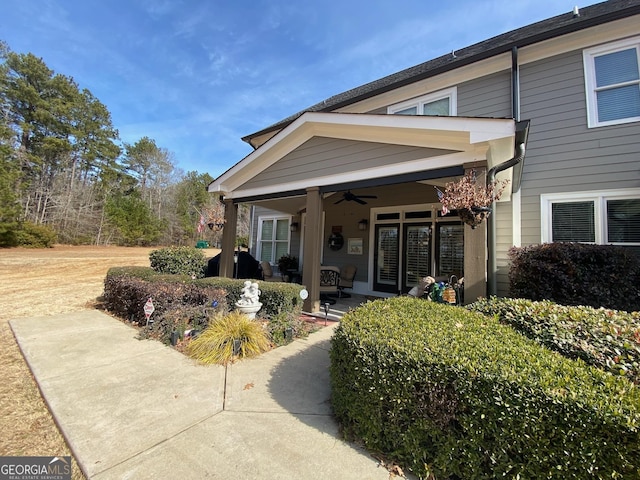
(136, 409)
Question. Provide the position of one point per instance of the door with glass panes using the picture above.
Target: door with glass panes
(412, 249)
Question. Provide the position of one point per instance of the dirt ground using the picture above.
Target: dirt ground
(41, 282)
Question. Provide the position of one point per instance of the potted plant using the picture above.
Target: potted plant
(470, 199)
(287, 263)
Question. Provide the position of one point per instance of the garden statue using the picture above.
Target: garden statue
(249, 302)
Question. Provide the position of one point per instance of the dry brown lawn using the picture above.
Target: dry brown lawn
(41, 282)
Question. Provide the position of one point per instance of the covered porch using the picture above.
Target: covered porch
(366, 182)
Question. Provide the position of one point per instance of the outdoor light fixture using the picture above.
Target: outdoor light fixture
(362, 224)
(294, 227)
(217, 226)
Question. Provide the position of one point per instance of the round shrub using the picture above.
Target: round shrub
(35, 236)
(179, 261)
(450, 393)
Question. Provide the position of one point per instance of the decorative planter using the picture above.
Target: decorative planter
(474, 216)
(249, 310)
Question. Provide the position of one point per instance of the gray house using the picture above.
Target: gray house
(351, 180)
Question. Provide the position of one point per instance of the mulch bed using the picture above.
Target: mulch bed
(317, 321)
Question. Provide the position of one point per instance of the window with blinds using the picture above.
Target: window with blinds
(274, 239)
(601, 217)
(573, 222)
(612, 79)
(623, 221)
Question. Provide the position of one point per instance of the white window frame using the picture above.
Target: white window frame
(419, 102)
(589, 56)
(599, 199)
(275, 218)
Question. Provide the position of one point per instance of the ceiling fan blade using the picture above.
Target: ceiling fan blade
(361, 202)
(341, 200)
(367, 196)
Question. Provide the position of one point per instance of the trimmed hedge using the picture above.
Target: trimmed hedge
(127, 289)
(182, 303)
(607, 339)
(576, 274)
(451, 393)
(179, 261)
(276, 297)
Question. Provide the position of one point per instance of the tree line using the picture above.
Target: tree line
(65, 176)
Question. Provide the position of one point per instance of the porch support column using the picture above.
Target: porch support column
(311, 255)
(228, 239)
(475, 251)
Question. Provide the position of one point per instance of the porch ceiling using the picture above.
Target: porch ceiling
(315, 150)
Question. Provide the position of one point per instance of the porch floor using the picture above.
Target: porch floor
(337, 310)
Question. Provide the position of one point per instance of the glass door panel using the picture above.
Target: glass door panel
(386, 258)
(450, 249)
(417, 254)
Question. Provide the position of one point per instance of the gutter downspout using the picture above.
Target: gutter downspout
(492, 267)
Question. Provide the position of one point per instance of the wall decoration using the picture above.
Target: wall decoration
(354, 246)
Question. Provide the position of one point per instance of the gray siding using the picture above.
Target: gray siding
(320, 155)
(504, 241)
(563, 155)
(489, 96)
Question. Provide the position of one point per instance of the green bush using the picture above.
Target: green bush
(280, 323)
(127, 290)
(216, 344)
(179, 261)
(276, 297)
(35, 236)
(607, 339)
(450, 393)
(576, 274)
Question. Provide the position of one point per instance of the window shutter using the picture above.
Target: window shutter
(573, 222)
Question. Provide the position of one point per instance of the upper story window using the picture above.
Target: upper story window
(606, 217)
(612, 80)
(443, 103)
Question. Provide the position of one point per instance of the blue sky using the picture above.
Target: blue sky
(196, 76)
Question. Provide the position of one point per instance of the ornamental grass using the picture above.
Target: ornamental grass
(215, 345)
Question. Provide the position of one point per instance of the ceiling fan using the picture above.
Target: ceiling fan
(352, 197)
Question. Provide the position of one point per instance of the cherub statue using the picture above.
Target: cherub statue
(250, 294)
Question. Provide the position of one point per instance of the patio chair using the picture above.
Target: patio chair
(329, 282)
(267, 272)
(347, 274)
